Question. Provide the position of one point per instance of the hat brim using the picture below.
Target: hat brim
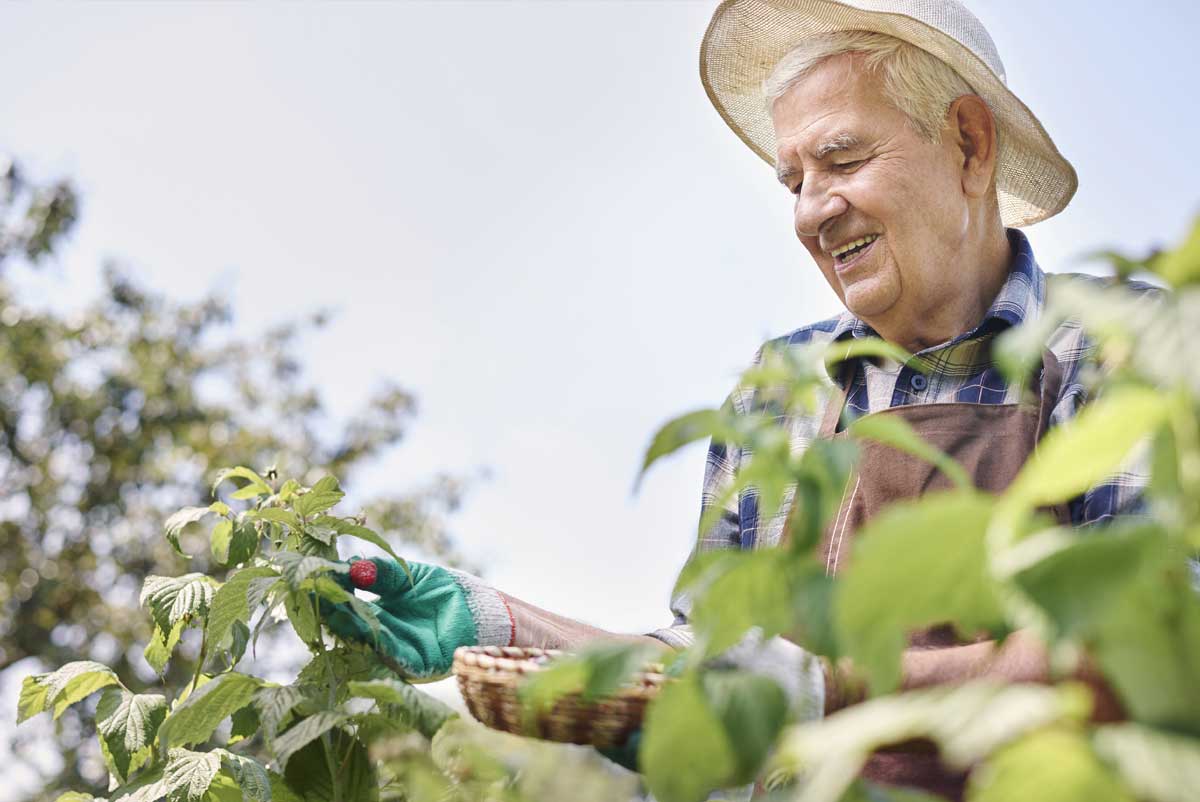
(746, 38)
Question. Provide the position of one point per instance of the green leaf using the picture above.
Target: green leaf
(128, 724)
(189, 774)
(274, 703)
(75, 796)
(356, 777)
(162, 644)
(1157, 766)
(277, 515)
(60, 689)
(1181, 265)
(332, 591)
(194, 720)
(739, 591)
(245, 724)
(172, 599)
(250, 775)
(1090, 448)
(231, 602)
(296, 568)
(859, 347)
(812, 601)
(256, 485)
(323, 495)
(1053, 765)
(233, 544)
(685, 752)
(302, 616)
(681, 431)
(412, 707)
(175, 525)
(916, 564)
(344, 527)
(967, 721)
(304, 732)
(893, 431)
(752, 710)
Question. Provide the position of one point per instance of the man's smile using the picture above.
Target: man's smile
(851, 254)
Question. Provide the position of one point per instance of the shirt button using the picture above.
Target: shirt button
(918, 382)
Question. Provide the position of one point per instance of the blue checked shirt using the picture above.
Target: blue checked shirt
(960, 370)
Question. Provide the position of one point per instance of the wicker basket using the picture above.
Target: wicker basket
(488, 677)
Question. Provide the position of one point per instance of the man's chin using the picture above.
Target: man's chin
(866, 300)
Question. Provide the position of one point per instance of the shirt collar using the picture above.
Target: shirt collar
(1021, 296)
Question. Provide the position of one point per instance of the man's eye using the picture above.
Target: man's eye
(849, 165)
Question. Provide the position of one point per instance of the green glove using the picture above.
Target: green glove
(423, 621)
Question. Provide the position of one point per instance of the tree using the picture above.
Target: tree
(113, 418)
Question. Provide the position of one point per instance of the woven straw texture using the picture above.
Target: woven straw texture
(746, 38)
(488, 677)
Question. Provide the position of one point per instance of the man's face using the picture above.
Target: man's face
(859, 169)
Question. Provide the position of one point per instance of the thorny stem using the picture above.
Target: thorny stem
(200, 660)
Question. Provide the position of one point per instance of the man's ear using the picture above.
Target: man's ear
(972, 129)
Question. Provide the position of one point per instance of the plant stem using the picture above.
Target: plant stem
(326, 740)
(200, 659)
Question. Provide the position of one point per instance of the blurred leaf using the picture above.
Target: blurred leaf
(356, 777)
(193, 720)
(1157, 766)
(274, 703)
(894, 431)
(412, 707)
(1090, 448)
(1181, 265)
(740, 591)
(860, 347)
(179, 521)
(681, 431)
(752, 710)
(916, 564)
(968, 721)
(255, 486)
(685, 751)
(1053, 765)
(278, 515)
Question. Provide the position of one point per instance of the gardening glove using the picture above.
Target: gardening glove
(422, 621)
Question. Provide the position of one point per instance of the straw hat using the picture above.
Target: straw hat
(746, 39)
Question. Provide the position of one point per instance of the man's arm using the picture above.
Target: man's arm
(542, 629)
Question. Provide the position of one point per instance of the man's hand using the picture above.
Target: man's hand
(424, 620)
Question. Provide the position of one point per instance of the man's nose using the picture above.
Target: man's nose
(816, 205)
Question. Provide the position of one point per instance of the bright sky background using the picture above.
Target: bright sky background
(529, 215)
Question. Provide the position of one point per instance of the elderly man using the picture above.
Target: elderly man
(911, 165)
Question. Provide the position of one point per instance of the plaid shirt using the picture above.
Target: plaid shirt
(960, 370)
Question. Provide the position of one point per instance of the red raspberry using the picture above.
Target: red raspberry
(363, 574)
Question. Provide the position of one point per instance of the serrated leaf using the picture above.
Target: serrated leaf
(194, 720)
(356, 778)
(250, 776)
(277, 515)
(172, 599)
(344, 527)
(255, 487)
(418, 710)
(233, 544)
(188, 774)
(244, 724)
(323, 495)
(296, 568)
(179, 521)
(930, 553)
(302, 616)
(128, 724)
(58, 690)
(274, 703)
(162, 644)
(231, 602)
(305, 731)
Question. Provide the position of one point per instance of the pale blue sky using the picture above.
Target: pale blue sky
(526, 213)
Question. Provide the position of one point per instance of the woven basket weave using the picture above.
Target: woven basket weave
(489, 676)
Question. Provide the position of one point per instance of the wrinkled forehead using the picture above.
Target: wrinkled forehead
(835, 102)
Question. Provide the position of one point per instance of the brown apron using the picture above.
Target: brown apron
(990, 441)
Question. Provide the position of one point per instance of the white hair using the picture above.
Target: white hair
(919, 84)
